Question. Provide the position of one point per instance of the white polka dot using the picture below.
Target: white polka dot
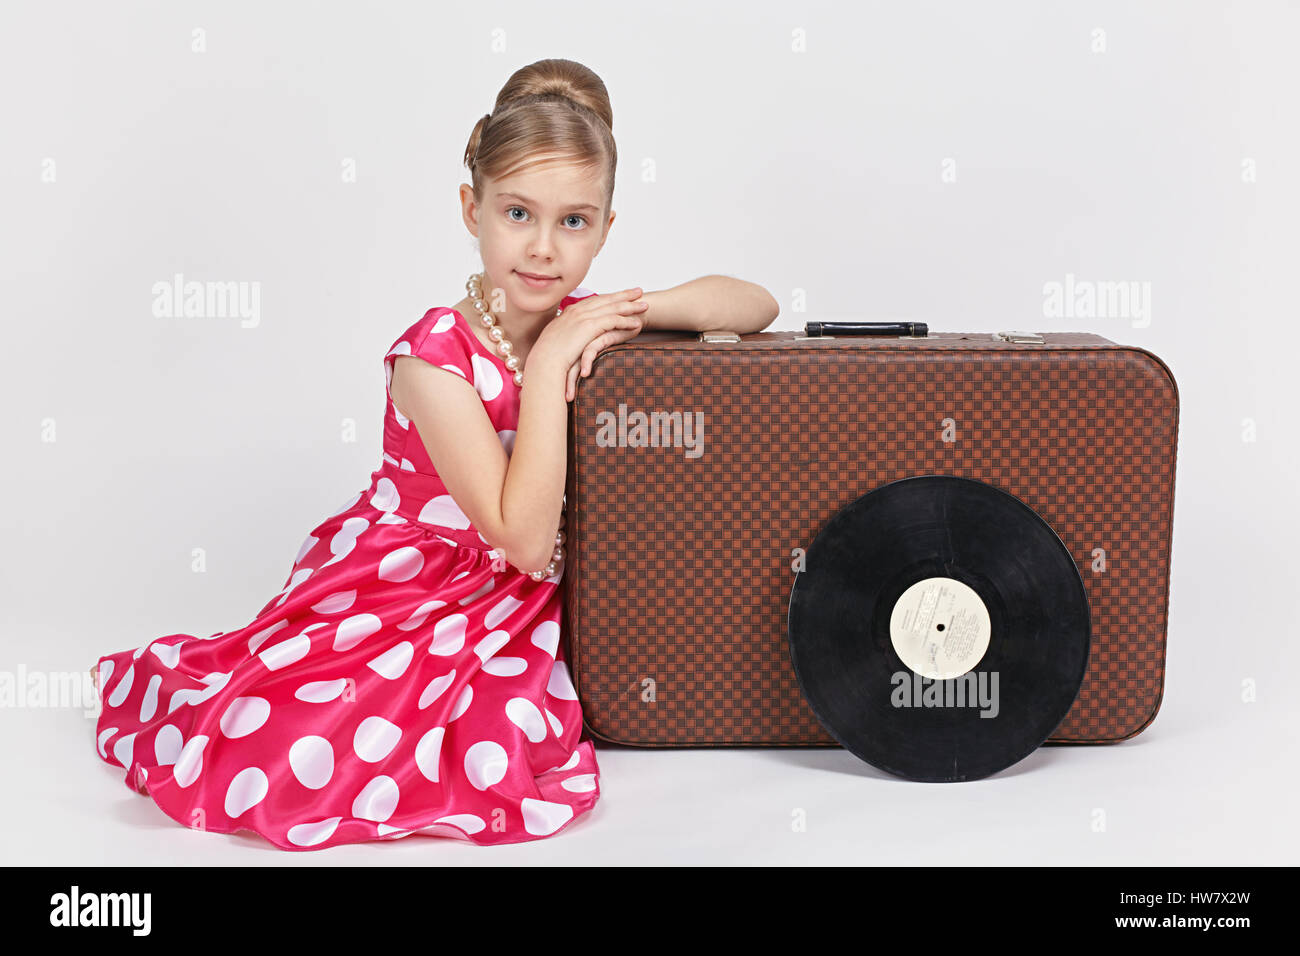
(375, 739)
(103, 738)
(505, 666)
(167, 745)
(582, 783)
(215, 682)
(501, 610)
(467, 822)
(286, 652)
(420, 615)
(547, 636)
(123, 688)
(523, 713)
(302, 574)
(401, 565)
(260, 637)
(124, 750)
(248, 789)
(190, 762)
(308, 543)
(445, 321)
(542, 818)
(385, 497)
(486, 763)
(555, 722)
(345, 539)
(377, 801)
(169, 654)
(392, 663)
(559, 685)
(443, 510)
(428, 751)
(482, 589)
(310, 834)
(462, 702)
(245, 715)
(335, 603)
(491, 644)
(568, 764)
(311, 759)
(449, 635)
(149, 703)
(321, 691)
(185, 695)
(487, 378)
(105, 672)
(435, 689)
(353, 630)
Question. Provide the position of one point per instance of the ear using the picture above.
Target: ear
(469, 209)
(605, 235)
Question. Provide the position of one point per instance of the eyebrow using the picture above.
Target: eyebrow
(526, 200)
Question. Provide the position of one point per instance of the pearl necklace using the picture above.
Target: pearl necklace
(494, 331)
(474, 287)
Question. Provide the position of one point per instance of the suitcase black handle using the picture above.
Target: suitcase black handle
(911, 329)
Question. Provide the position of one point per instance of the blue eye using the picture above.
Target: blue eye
(510, 209)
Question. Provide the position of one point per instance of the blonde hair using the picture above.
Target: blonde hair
(555, 109)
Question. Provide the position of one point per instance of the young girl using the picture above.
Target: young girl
(410, 677)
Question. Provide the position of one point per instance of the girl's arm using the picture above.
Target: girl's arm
(711, 303)
(513, 500)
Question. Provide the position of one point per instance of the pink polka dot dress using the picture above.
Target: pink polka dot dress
(406, 681)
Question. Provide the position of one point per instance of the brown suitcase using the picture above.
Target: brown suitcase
(680, 558)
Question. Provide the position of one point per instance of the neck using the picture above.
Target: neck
(520, 327)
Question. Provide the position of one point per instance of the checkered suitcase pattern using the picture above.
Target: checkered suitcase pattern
(678, 569)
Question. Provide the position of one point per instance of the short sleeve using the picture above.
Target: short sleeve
(439, 340)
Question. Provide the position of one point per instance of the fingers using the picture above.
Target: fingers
(572, 384)
(613, 337)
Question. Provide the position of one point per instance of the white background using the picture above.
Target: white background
(814, 173)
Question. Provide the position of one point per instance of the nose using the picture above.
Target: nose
(541, 244)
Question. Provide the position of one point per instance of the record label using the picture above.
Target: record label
(940, 628)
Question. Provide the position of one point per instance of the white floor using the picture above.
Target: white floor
(1202, 785)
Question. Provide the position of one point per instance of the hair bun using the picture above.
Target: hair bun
(545, 105)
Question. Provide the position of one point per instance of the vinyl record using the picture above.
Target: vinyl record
(939, 629)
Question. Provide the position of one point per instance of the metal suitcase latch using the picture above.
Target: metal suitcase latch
(1031, 338)
(720, 336)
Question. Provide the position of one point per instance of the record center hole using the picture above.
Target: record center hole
(938, 627)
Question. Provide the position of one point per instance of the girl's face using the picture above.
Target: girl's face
(546, 221)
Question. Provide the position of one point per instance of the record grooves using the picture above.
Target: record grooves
(940, 629)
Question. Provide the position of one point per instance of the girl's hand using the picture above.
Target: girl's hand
(582, 367)
(585, 325)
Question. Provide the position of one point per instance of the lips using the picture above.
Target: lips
(530, 275)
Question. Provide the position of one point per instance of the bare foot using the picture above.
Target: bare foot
(94, 677)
